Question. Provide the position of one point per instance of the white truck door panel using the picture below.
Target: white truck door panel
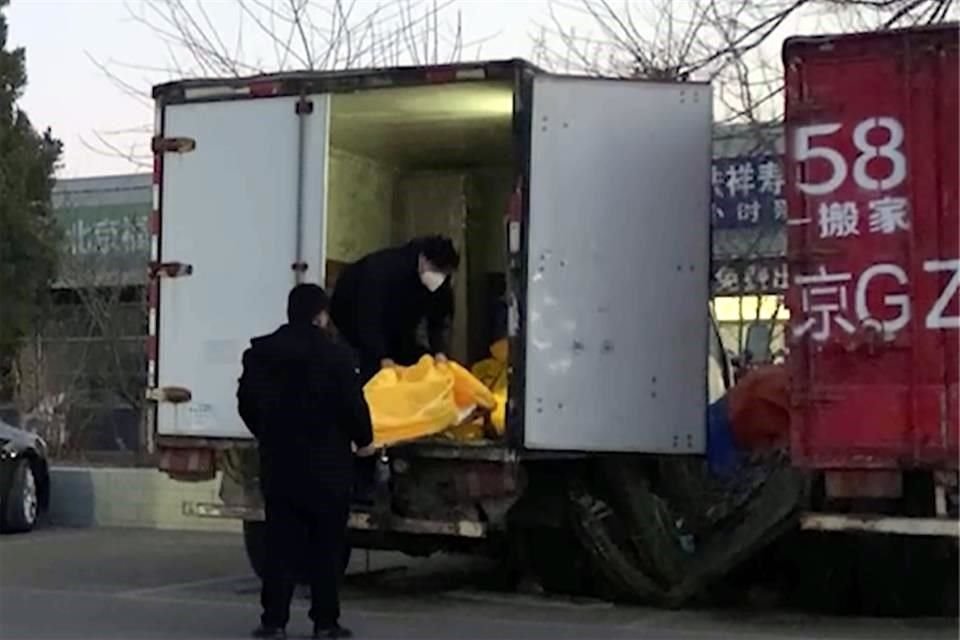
(618, 266)
(229, 209)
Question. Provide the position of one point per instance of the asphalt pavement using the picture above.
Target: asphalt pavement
(114, 583)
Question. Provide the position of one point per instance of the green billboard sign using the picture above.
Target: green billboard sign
(110, 230)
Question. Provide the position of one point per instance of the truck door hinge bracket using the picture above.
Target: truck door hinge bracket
(159, 144)
(300, 267)
(173, 395)
(169, 270)
(304, 107)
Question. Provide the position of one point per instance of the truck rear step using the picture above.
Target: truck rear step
(359, 520)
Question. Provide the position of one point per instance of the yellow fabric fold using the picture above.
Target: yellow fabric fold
(407, 403)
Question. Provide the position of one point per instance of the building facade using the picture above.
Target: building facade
(750, 270)
(80, 376)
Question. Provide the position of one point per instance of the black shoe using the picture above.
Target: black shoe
(269, 633)
(335, 631)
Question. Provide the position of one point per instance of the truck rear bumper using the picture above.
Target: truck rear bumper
(939, 527)
(359, 520)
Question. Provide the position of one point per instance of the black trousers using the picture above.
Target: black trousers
(304, 538)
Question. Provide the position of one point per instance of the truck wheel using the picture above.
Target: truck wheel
(255, 543)
(22, 504)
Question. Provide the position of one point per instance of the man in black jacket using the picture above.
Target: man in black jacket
(300, 395)
(380, 302)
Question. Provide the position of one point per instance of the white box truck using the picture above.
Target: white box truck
(587, 198)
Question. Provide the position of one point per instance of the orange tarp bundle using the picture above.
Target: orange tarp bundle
(759, 408)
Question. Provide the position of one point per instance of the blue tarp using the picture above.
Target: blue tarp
(723, 456)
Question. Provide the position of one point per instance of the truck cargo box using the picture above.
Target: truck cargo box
(871, 123)
(589, 196)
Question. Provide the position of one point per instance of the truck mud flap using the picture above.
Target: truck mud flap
(667, 547)
(240, 479)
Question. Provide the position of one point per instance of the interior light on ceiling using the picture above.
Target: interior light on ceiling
(491, 102)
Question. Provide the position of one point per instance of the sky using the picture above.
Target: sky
(73, 47)
(69, 92)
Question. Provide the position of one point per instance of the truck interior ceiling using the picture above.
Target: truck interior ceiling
(433, 159)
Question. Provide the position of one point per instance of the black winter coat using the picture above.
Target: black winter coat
(379, 303)
(300, 394)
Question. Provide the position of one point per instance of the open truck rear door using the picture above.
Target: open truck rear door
(617, 278)
(223, 272)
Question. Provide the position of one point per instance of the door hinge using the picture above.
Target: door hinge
(173, 395)
(159, 144)
(304, 107)
(300, 267)
(169, 269)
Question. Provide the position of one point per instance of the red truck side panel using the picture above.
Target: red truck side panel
(874, 249)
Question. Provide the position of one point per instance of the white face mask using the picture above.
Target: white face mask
(322, 320)
(432, 280)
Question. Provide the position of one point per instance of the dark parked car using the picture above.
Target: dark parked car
(24, 479)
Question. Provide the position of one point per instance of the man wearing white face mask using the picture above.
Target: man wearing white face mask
(380, 301)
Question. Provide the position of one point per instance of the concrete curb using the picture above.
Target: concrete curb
(130, 497)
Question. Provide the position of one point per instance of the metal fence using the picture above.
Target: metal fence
(79, 380)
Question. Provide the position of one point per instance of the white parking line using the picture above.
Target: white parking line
(516, 599)
(35, 537)
(176, 586)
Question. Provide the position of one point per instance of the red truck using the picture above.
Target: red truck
(874, 251)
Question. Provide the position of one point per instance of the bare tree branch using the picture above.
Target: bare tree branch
(305, 34)
(105, 147)
(296, 8)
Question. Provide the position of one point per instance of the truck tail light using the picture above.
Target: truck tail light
(439, 75)
(263, 89)
(188, 464)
